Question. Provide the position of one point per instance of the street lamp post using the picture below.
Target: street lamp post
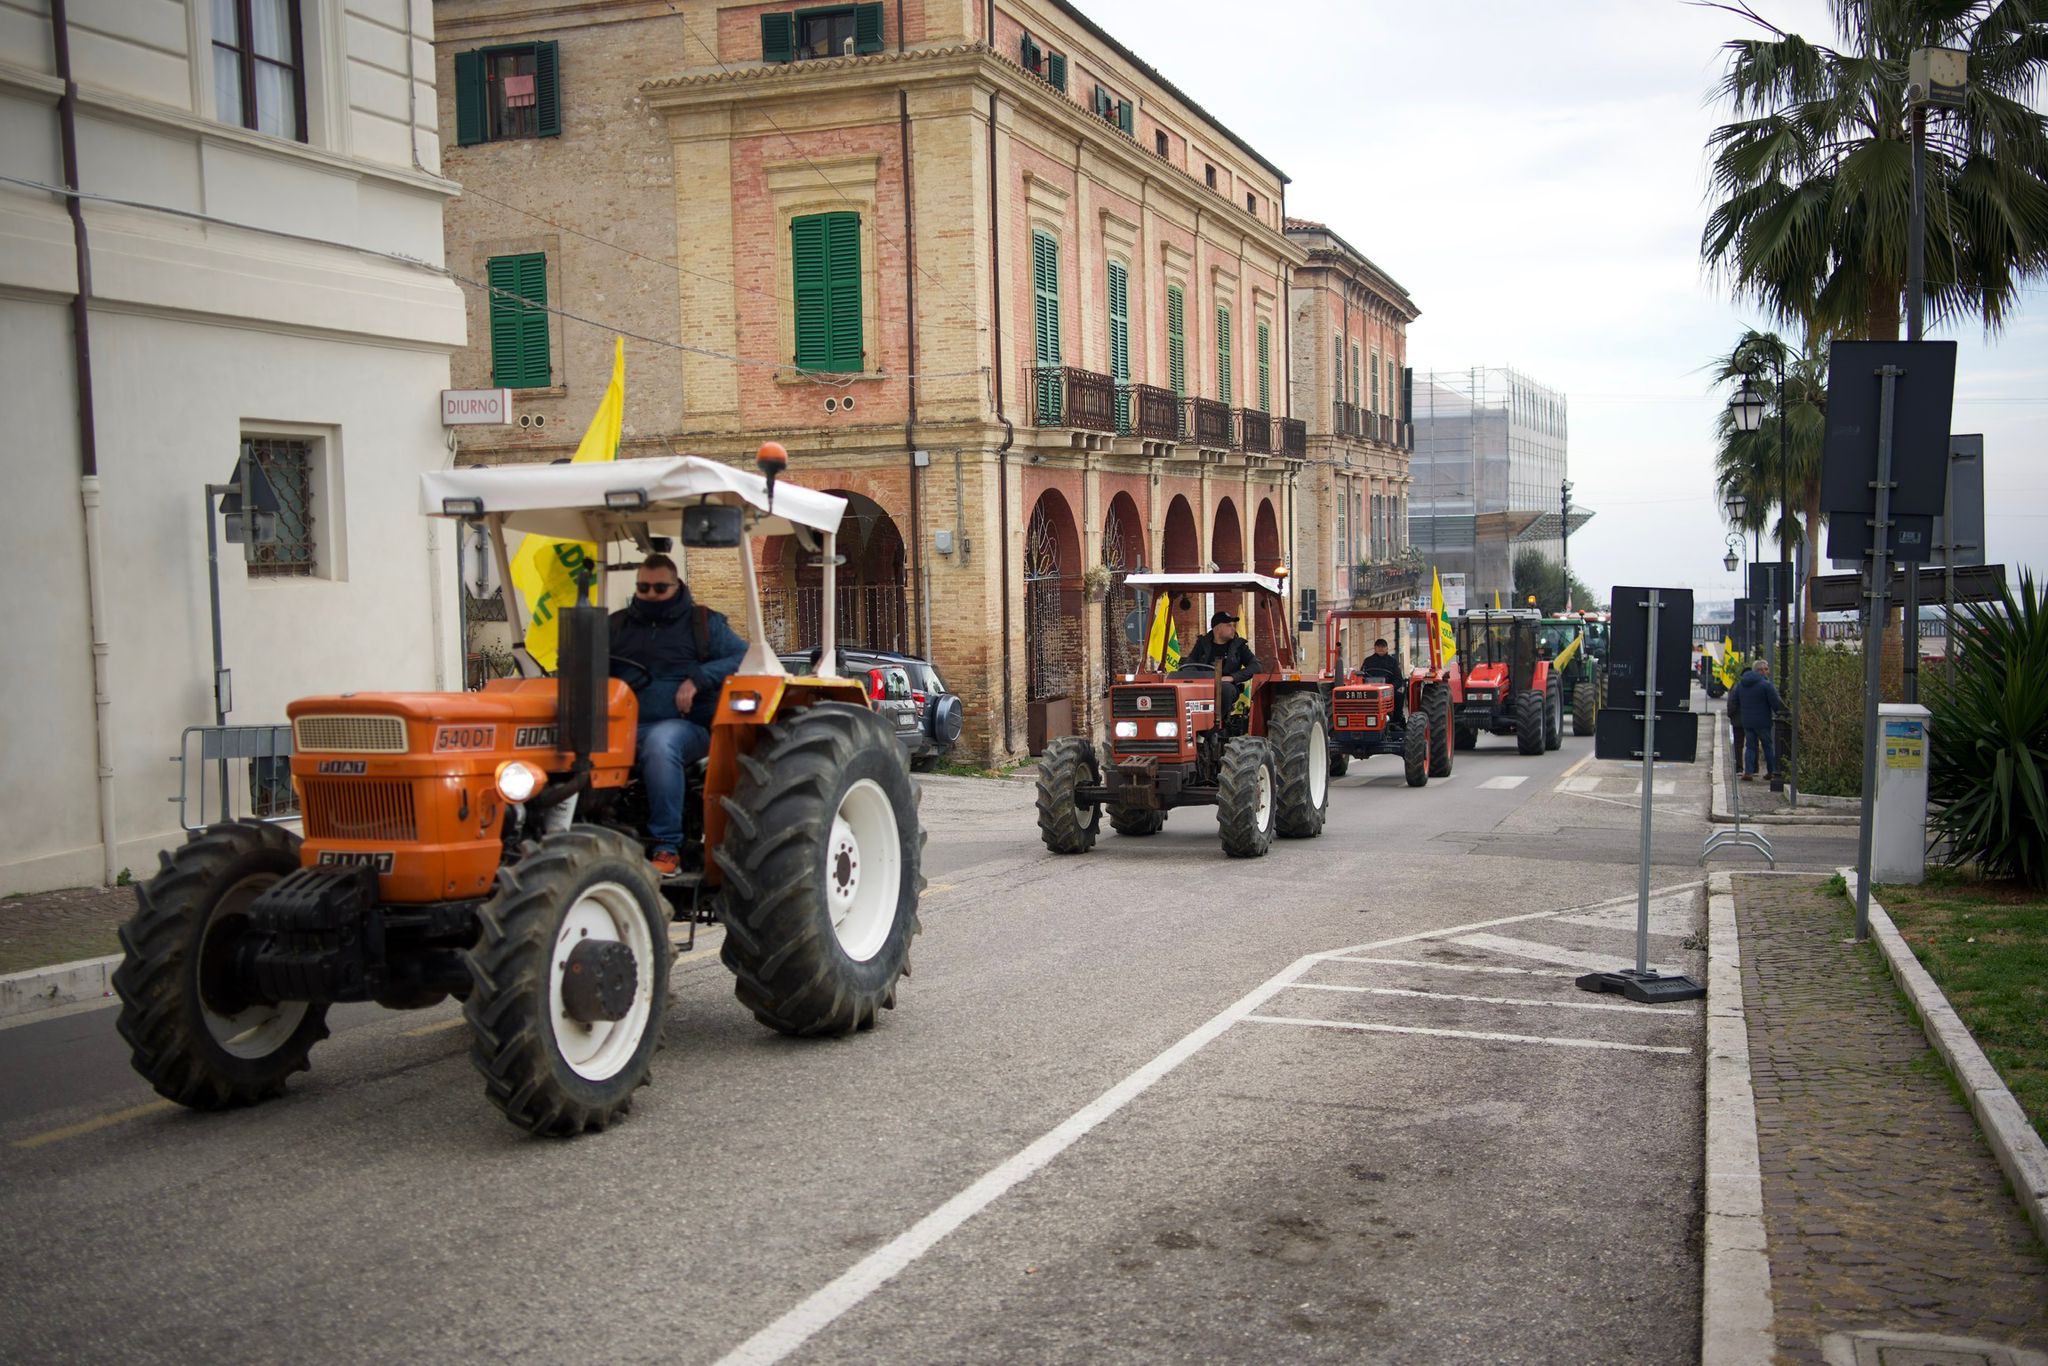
(1564, 507)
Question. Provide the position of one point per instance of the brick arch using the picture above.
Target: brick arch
(1053, 600)
(1266, 551)
(1226, 550)
(871, 589)
(1123, 551)
(1181, 553)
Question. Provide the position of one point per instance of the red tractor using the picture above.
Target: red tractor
(1257, 751)
(1503, 681)
(1370, 713)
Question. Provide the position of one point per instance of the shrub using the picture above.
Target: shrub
(1831, 715)
(1988, 767)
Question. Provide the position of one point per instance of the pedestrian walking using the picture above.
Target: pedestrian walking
(1755, 700)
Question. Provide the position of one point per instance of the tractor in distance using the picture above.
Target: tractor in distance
(488, 845)
(1258, 752)
(1371, 714)
(1577, 644)
(1504, 683)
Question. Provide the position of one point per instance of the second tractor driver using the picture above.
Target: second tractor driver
(1233, 660)
(1382, 667)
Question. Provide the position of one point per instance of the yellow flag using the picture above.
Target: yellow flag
(544, 570)
(1445, 634)
(1164, 642)
(1496, 599)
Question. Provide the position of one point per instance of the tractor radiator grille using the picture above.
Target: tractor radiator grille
(349, 734)
(1356, 706)
(1123, 702)
(351, 809)
(1145, 747)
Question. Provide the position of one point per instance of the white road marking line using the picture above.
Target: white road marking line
(1453, 967)
(818, 1310)
(1506, 781)
(91, 1126)
(1469, 1034)
(1568, 773)
(1546, 953)
(1488, 1000)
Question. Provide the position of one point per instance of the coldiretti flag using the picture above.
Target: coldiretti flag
(1164, 642)
(1730, 667)
(544, 570)
(1445, 634)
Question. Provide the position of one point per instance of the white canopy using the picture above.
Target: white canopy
(1207, 583)
(568, 502)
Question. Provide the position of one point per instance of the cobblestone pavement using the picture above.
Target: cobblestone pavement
(1883, 1206)
(41, 928)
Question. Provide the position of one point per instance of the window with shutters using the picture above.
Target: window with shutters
(1375, 372)
(519, 320)
(1120, 341)
(259, 66)
(826, 31)
(1393, 392)
(510, 92)
(1176, 341)
(1045, 323)
(1223, 352)
(824, 259)
(1337, 363)
(1265, 366)
(1044, 63)
(1160, 143)
(1357, 393)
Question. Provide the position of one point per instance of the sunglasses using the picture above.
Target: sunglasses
(641, 587)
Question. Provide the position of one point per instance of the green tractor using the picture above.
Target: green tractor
(1577, 648)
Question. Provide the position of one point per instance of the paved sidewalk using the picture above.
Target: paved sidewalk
(41, 928)
(1883, 1207)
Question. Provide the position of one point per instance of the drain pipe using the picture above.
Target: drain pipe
(88, 449)
(918, 605)
(1009, 431)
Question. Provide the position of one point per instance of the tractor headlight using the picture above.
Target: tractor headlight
(1126, 730)
(519, 780)
(746, 703)
(1169, 730)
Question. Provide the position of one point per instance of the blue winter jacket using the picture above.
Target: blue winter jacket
(663, 638)
(1756, 700)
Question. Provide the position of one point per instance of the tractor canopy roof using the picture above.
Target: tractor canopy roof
(1209, 583)
(605, 500)
(1499, 616)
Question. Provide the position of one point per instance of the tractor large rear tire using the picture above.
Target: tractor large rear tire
(1532, 711)
(1300, 738)
(1066, 825)
(823, 862)
(1436, 700)
(1415, 750)
(1585, 707)
(1126, 821)
(552, 1072)
(1245, 797)
(1553, 715)
(195, 1036)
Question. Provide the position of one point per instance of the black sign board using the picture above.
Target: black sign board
(1767, 581)
(1912, 539)
(1922, 396)
(1630, 641)
(1973, 583)
(1618, 734)
(1965, 503)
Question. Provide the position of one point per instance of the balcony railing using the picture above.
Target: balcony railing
(1294, 438)
(1212, 424)
(1145, 410)
(1256, 429)
(1379, 580)
(1063, 396)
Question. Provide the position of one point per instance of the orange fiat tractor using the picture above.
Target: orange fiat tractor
(1259, 752)
(1503, 682)
(1371, 714)
(488, 845)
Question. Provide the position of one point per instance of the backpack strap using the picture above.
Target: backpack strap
(702, 616)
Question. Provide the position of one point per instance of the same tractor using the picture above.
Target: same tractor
(1504, 683)
(1258, 752)
(1577, 646)
(488, 846)
(1371, 715)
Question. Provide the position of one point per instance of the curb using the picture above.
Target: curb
(60, 984)
(2019, 1150)
(1735, 1300)
(1721, 813)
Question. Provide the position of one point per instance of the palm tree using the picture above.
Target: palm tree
(1749, 462)
(1813, 178)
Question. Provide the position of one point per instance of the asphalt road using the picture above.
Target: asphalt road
(1148, 1104)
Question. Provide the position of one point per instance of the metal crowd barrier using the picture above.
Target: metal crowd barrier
(235, 772)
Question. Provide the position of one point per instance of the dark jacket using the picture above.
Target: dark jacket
(1734, 701)
(1380, 667)
(1755, 700)
(1235, 660)
(663, 638)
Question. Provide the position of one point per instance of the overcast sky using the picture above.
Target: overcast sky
(1535, 175)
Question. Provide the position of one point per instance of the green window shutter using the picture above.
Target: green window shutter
(778, 37)
(1375, 384)
(1223, 352)
(469, 98)
(1045, 318)
(1356, 396)
(1265, 367)
(1120, 341)
(1125, 118)
(1056, 72)
(519, 321)
(807, 274)
(842, 270)
(867, 28)
(547, 90)
(1176, 342)
(1029, 54)
(1102, 103)
(1337, 351)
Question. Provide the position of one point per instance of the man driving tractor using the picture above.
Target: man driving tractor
(1382, 665)
(1233, 660)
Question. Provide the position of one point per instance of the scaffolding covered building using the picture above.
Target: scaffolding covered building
(1488, 474)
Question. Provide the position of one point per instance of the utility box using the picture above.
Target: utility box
(1898, 826)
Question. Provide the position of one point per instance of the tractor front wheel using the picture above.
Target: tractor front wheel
(1301, 752)
(823, 858)
(197, 1034)
(569, 982)
(1245, 797)
(1532, 712)
(1553, 715)
(1585, 705)
(1437, 702)
(1415, 750)
(1067, 824)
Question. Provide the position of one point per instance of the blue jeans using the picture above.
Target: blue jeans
(1767, 736)
(667, 749)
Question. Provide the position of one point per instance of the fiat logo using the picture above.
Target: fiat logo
(1144, 704)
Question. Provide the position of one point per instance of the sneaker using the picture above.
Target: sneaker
(665, 862)
(1747, 777)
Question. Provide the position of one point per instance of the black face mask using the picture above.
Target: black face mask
(658, 611)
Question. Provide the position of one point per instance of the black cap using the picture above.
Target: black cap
(1377, 643)
(1222, 617)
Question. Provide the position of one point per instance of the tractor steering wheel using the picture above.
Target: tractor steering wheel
(631, 672)
(1195, 670)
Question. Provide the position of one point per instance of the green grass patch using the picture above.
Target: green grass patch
(1986, 945)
